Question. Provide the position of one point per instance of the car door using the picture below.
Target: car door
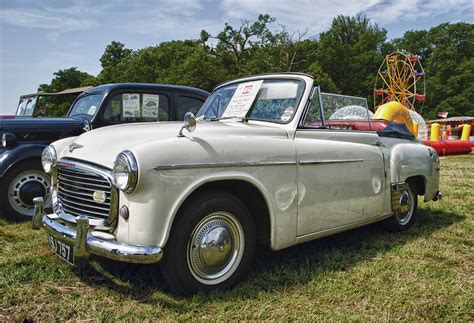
(341, 176)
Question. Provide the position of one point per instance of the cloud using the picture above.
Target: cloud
(413, 10)
(311, 15)
(316, 15)
(55, 20)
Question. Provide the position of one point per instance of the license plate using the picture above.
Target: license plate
(63, 250)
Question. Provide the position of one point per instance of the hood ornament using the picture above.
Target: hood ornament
(189, 124)
(74, 146)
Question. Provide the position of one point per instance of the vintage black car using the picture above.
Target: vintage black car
(23, 139)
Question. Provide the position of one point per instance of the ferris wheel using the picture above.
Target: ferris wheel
(401, 78)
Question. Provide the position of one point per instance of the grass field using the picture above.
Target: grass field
(426, 273)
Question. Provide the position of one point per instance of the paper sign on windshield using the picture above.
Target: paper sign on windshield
(242, 99)
(131, 105)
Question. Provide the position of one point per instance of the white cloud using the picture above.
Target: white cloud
(412, 10)
(316, 15)
(311, 15)
(54, 20)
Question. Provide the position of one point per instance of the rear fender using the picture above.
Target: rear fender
(415, 160)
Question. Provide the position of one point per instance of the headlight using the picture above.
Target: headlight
(125, 172)
(8, 139)
(49, 158)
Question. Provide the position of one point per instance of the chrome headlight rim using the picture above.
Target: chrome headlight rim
(48, 165)
(132, 171)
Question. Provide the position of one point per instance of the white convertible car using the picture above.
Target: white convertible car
(268, 159)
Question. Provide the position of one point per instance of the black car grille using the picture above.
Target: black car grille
(76, 188)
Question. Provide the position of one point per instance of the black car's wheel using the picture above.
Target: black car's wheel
(403, 220)
(19, 186)
(211, 245)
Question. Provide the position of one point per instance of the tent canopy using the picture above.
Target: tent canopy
(453, 120)
(63, 92)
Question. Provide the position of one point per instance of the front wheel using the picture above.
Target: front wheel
(19, 186)
(211, 246)
(403, 219)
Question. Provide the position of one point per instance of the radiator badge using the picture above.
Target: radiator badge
(99, 197)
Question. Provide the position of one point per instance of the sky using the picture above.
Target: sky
(37, 38)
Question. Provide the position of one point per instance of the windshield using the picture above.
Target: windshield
(86, 105)
(27, 106)
(273, 100)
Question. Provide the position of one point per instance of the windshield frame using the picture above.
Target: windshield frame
(80, 97)
(264, 78)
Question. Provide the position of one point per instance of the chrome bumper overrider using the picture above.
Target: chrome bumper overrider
(85, 243)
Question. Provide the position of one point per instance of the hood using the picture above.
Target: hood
(40, 124)
(102, 145)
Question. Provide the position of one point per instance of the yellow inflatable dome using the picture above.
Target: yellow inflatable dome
(395, 111)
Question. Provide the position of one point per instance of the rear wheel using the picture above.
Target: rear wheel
(19, 186)
(403, 219)
(211, 246)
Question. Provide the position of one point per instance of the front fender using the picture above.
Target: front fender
(11, 157)
(153, 207)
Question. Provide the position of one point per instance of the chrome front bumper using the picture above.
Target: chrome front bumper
(85, 243)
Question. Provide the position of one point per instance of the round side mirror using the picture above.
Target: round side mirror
(189, 123)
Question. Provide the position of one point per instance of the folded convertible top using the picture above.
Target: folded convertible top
(396, 130)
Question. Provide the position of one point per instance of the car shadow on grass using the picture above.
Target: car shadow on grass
(273, 270)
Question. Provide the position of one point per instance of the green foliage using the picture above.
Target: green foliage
(114, 55)
(450, 70)
(344, 59)
(350, 53)
(56, 106)
(235, 44)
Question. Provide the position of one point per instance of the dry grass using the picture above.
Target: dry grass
(365, 274)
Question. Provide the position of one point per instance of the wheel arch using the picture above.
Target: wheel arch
(419, 184)
(245, 188)
(20, 154)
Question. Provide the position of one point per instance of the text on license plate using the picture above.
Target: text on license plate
(61, 249)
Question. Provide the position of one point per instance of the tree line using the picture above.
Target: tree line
(344, 59)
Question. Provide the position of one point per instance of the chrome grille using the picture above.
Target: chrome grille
(75, 192)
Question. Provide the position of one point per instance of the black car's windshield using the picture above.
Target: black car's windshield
(86, 105)
(273, 100)
(27, 105)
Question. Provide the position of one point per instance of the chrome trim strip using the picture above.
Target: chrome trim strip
(329, 161)
(62, 178)
(224, 165)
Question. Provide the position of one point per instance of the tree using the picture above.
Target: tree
(115, 53)
(62, 80)
(450, 70)
(236, 43)
(322, 79)
(350, 52)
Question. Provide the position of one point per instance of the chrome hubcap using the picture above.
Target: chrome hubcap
(215, 248)
(22, 189)
(406, 210)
